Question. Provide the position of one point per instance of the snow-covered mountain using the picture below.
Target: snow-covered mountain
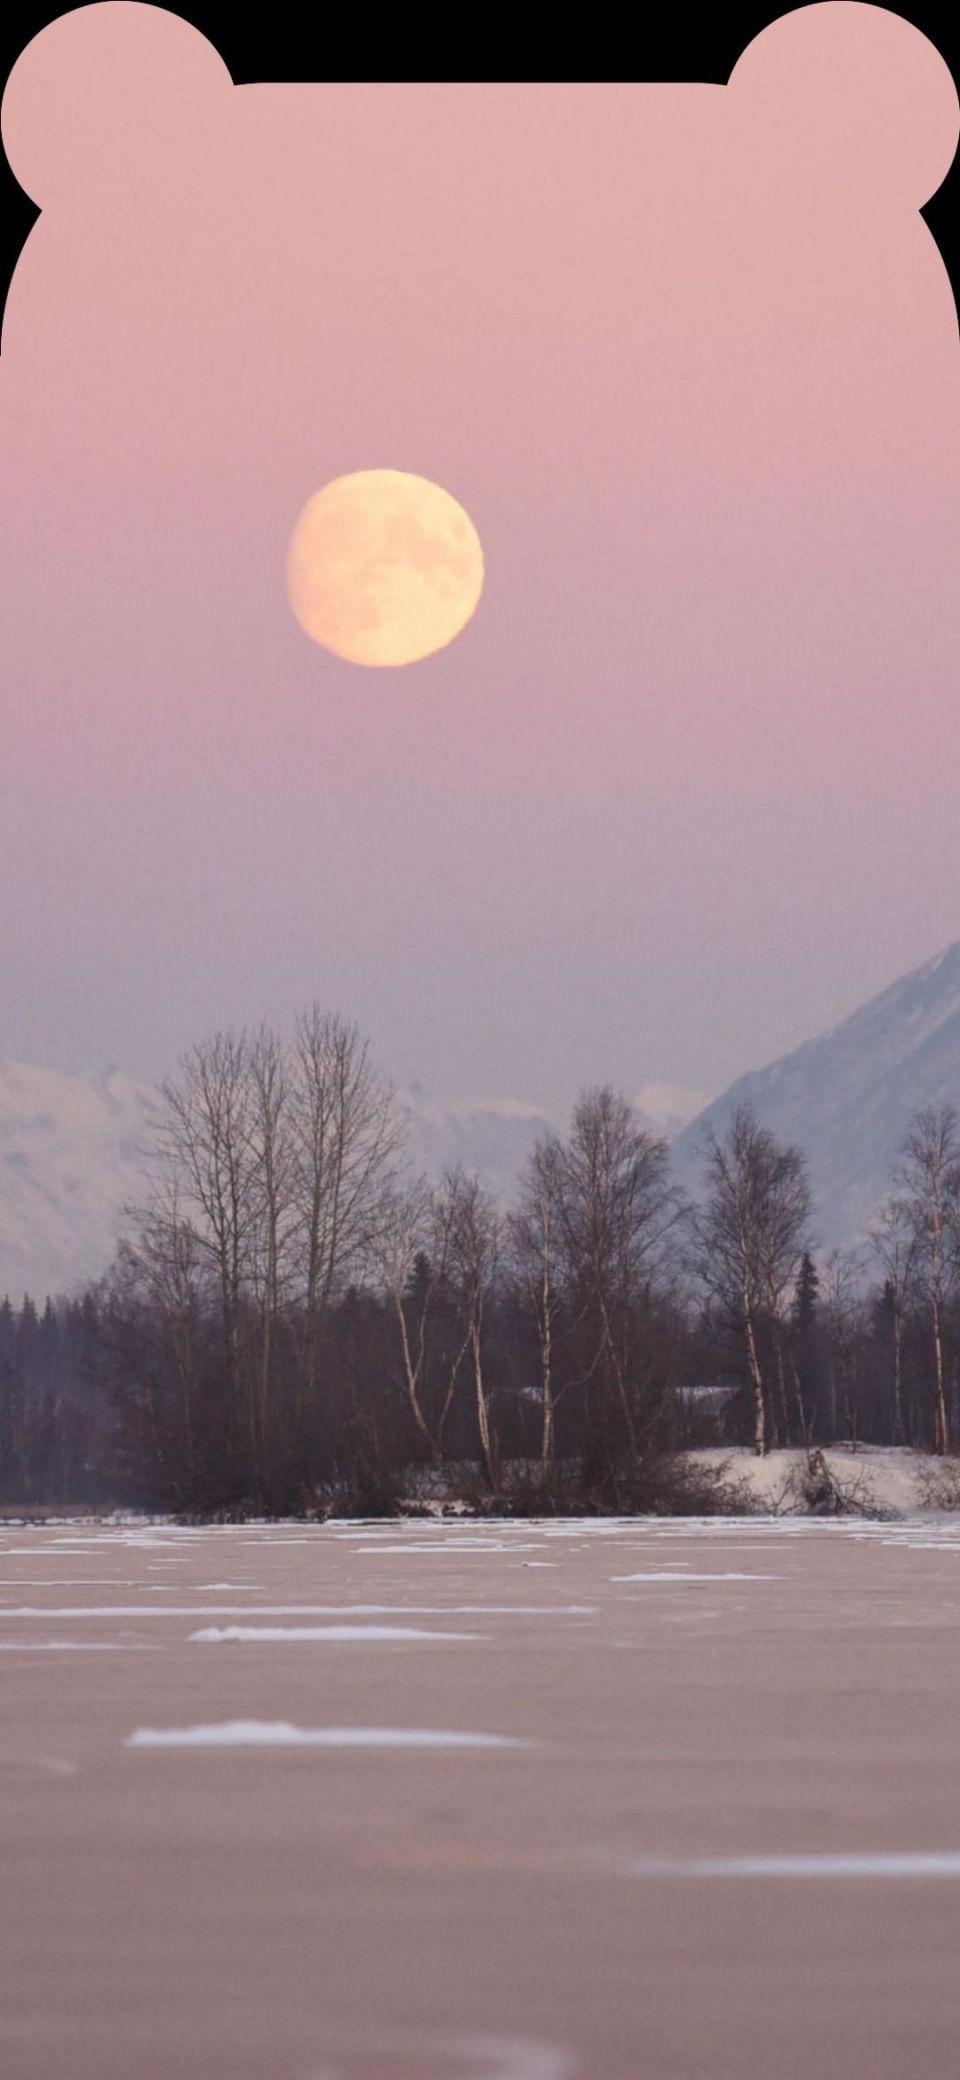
(73, 1150)
(493, 1136)
(71, 1156)
(72, 1147)
(847, 1097)
(666, 1108)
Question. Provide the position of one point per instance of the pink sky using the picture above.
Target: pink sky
(686, 788)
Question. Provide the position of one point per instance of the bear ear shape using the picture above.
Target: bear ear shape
(854, 93)
(96, 90)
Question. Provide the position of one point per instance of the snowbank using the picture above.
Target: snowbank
(890, 1478)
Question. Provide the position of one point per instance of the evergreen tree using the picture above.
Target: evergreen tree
(806, 1296)
(805, 1345)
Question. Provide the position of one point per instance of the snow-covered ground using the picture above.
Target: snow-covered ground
(890, 1478)
(875, 1480)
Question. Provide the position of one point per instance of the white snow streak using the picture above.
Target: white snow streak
(670, 1575)
(278, 1733)
(214, 1634)
(73, 1646)
(301, 1610)
(918, 1864)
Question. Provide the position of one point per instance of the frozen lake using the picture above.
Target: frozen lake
(552, 1801)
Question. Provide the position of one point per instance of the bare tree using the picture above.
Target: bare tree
(475, 1235)
(344, 1133)
(405, 1242)
(893, 1240)
(277, 1159)
(928, 1182)
(207, 1153)
(157, 1292)
(615, 1211)
(532, 1231)
(843, 1311)
(272, 1183)
(749, 1237)
(280, 1254)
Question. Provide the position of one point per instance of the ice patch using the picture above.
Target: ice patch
(217, 1633)
(480, 2057)
(278, 1733)
(513, 2058)
(920, 1864)
(301, 1610)
(73, 1646)
(946, 1544)
(453, 1546)
(675, 1575)
(258, 1542)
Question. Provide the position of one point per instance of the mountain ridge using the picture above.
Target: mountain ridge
(846, 1096)
(73, 1147)
(73, 1150)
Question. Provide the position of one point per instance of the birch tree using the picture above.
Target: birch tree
(844, 1315)
(271, 1214)
(475, 1236)
(410, 1252)
(928, 1188)
(750, 1236)
(207, 1153)
(893, 1239)
(615, 1210)
(344, 1134)
(533, 1238)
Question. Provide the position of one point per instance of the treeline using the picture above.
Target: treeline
(292, 1318)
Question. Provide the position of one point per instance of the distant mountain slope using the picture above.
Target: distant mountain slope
(71, 1155)
(72, 1152)
(493, 1136)
(847, 1097)
(72, 1147)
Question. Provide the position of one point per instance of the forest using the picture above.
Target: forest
(294, 1323)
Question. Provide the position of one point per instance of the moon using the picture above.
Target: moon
(384, 567)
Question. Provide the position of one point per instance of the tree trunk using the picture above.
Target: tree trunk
(897, 1378)
(546, 1367)
(483, 1413)
(942, 1444)
(412, 1376)
(546, 1445)
(781, 1382)
(802, 1422)
(759, 1398)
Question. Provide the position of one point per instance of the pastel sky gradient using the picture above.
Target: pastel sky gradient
(686, 788)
